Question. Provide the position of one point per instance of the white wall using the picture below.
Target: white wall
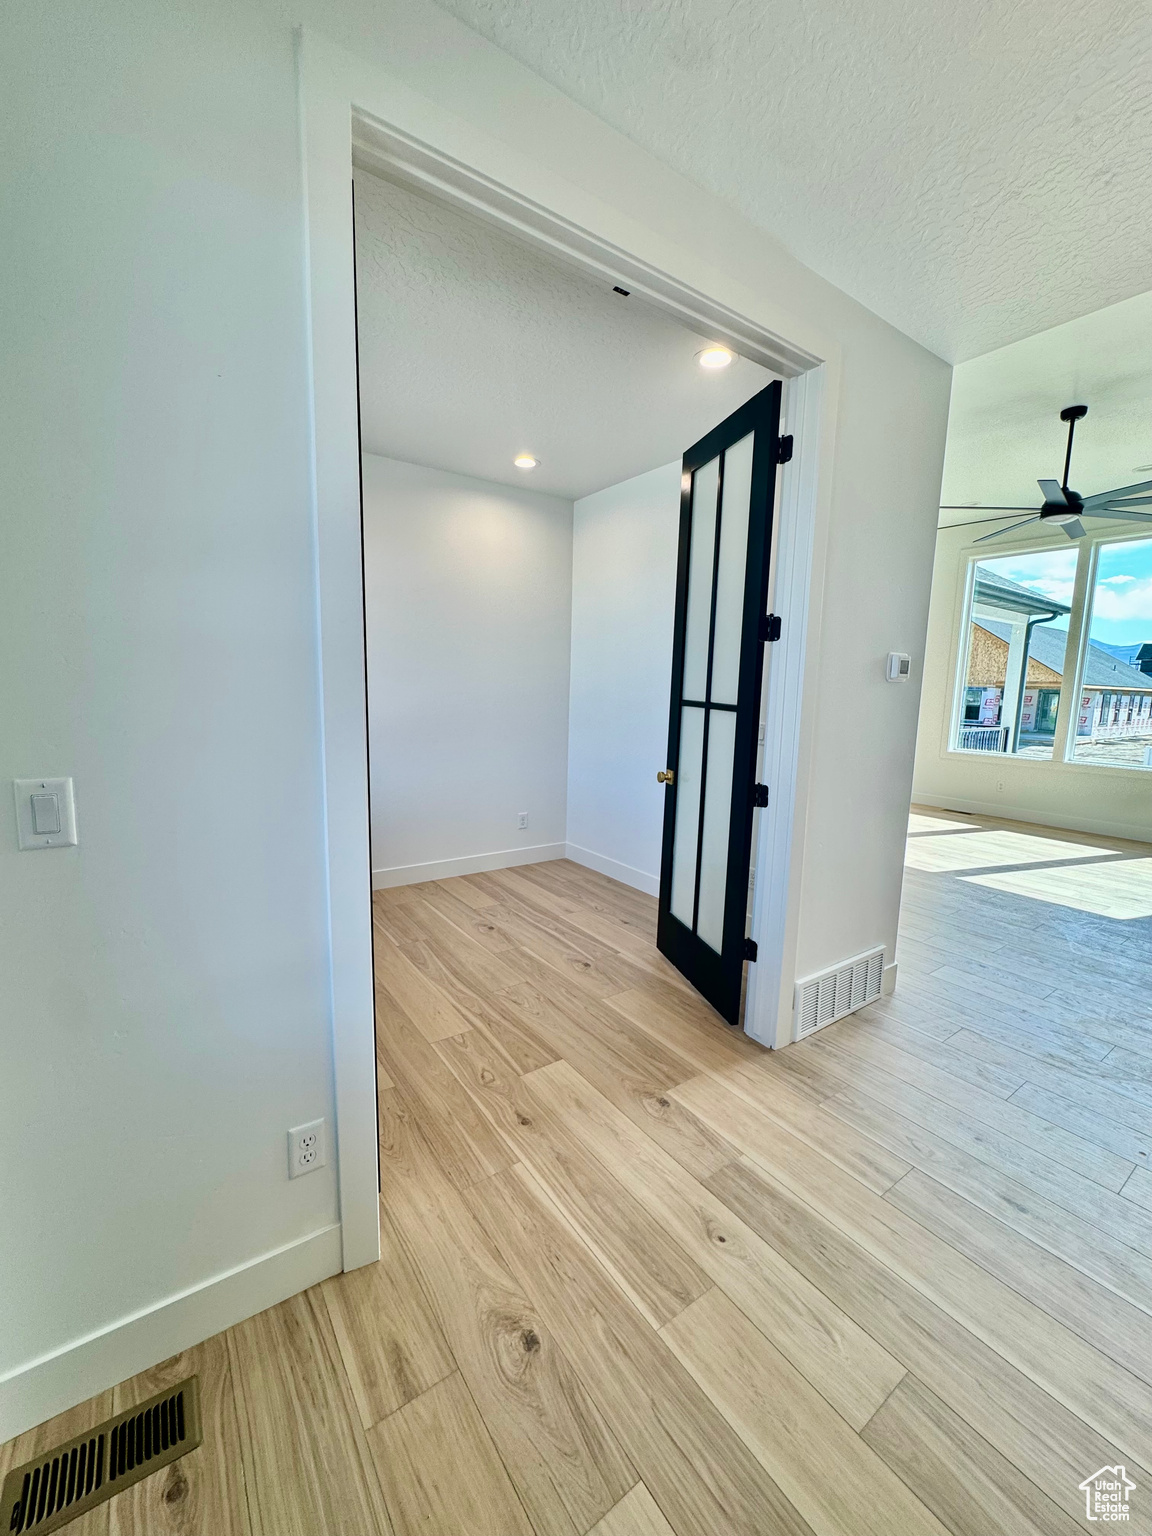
(468, 592)
(881, 535)
(1083, 797)
(166, 1002)
(623, 598)
(164, 984)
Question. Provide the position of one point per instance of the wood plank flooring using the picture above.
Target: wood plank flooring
(643, 1278)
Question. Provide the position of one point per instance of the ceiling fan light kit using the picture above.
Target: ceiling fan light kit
(1064, 507)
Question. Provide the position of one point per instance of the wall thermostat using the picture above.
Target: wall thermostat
(899, 666)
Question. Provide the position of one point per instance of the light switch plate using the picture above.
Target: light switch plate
(44, 790)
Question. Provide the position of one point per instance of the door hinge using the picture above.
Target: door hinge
(750, 949)
(784, 450)
(770, 626)
(760, 795)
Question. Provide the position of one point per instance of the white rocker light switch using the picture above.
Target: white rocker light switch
(45, 814)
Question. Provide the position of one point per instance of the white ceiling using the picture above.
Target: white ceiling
(1004, 427)
(475, 347)
(973, 172)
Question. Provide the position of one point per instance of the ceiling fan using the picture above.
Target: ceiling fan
(1065, 508)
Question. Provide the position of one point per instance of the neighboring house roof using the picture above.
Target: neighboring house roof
(1129, 654)
(1101, 670)
(998, 592)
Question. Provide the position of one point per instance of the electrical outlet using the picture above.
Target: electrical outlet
(521, 819)
(307, 1148)
(999, 786)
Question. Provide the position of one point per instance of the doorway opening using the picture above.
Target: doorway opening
(568, 502)
(334, 89)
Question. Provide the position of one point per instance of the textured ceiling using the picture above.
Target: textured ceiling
(974, 172)
(1004, 427)
(475, 347)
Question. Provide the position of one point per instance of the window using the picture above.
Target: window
(1114, 717)
(1013, 653)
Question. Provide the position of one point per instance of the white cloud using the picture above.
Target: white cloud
(1051, 573)
(1115, 581)
(1060, 591)
(1133, 602)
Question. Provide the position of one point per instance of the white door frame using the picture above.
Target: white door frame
(353, 112)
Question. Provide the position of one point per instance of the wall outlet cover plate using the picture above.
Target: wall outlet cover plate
(307, 1148)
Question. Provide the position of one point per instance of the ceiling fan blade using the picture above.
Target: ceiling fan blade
(1125, 501)
(1010, 527)
(1143, 489)
(982, 508)
(1117, 514)
(1075, 529)
(1052, 492)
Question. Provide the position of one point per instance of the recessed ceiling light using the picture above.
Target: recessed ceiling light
(524, 461)
(715, 357)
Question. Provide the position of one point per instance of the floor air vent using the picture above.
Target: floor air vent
(822, 999)
(44, 1494)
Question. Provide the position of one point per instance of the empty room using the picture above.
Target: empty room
(577, 666)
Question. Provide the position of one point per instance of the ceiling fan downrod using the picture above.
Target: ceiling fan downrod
(1071, 414)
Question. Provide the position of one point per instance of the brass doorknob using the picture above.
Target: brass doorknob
(666, 776)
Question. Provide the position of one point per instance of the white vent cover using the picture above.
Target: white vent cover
(825, 998)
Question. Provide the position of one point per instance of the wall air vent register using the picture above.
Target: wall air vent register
(824, 998)
(67, 1481)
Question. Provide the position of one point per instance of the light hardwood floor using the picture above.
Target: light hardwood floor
(643, 1278)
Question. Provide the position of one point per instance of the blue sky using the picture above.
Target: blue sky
(1122, 609)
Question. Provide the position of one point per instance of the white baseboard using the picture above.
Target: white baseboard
(470, 864)
(888, 980)
(649, 884)
(60, 1380)
(1007, 812)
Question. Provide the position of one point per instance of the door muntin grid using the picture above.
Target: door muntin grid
(717, 576)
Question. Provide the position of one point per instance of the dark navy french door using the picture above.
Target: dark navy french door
(726, 501)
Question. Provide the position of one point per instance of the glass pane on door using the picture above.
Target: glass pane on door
(735, 497)
(705, 484)
(714, 832)
(688, 775)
